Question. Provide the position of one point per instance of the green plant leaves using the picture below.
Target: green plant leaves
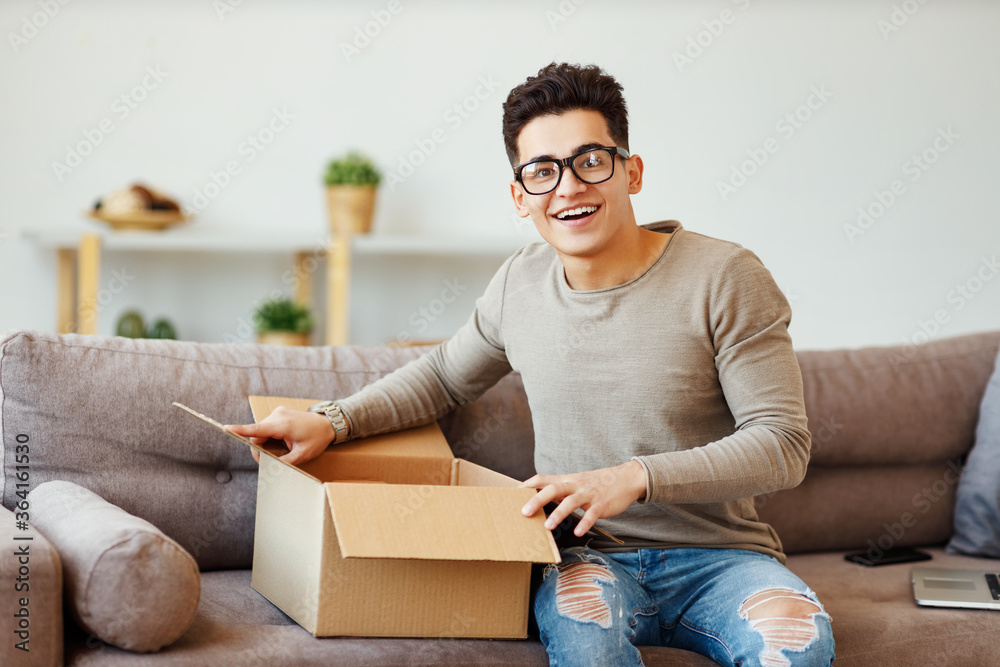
(352, 169)
(282, 314)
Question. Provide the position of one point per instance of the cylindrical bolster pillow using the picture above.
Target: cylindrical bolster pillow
(126, 582)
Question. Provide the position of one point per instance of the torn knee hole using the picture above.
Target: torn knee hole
(785, 601)
(785, 619)
(579, 594)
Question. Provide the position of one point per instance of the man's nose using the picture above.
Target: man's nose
(569, 184)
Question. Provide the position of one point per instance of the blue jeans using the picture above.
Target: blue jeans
(735, 606)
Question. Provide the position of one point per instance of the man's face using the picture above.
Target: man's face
(606, 205)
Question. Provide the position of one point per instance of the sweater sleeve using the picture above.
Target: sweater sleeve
(452, 374)
(762, 384)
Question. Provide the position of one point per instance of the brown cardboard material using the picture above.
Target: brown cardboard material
(391, 536)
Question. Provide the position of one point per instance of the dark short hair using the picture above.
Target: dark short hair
(560, 88)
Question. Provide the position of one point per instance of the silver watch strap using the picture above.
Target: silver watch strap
(336, 417)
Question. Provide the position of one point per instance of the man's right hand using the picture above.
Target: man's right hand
(306, 434)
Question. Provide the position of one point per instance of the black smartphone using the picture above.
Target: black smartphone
(875, 557)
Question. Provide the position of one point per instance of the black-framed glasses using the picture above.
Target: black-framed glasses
(592, 166)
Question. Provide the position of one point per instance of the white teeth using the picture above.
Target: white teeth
(576, 211)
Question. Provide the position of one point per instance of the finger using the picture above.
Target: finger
(531, 507)
(565, 509)
(247, 432)
(588, 521)
(540, 481)
(255, 454)
(529, 483)
(268, 429)
(546, 495)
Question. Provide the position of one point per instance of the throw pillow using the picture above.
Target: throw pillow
(126, 582)
(977, 508)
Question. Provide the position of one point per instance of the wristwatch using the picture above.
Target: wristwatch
(336, 417)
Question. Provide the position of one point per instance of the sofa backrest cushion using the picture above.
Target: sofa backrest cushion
(897, 404)
(890, 426)
(97, 411)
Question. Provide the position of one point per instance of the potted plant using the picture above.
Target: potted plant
(351, 181)
(131, 324)
(281, 321)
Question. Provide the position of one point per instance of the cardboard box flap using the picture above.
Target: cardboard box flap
(261, 450)
(422, 441)
(438, 523)
(467, 473)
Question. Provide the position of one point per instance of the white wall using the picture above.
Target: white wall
(886, 96)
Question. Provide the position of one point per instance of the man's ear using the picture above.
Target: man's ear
(518, 195)
(634, 165)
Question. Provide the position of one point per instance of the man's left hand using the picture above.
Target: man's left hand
(601, 493)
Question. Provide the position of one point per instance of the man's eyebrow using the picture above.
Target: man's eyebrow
(578, 149)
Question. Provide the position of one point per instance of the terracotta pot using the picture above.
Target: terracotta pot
(283, 338)
(351, 208)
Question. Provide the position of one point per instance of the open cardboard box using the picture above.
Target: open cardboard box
(391, 536)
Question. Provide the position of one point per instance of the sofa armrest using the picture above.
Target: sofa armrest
(31, 620)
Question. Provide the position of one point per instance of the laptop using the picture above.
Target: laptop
(969, 589)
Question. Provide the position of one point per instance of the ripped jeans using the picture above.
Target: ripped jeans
(735, 606)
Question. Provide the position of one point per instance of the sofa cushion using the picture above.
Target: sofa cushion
(862, 508)
(102, 408)
(977, 507)
(889, 425)
(125, 581)
(235, 625)
(896, 404)
(877, 622)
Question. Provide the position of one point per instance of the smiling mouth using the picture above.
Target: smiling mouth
(577, 213)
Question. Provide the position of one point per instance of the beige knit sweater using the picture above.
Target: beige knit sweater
(688, 368)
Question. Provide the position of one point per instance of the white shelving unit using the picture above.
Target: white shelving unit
(79, 260)
(194, 240)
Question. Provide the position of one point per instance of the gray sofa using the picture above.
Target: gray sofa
(889, 425)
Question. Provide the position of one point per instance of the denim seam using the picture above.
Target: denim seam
(645, 611)
(711, 635)
(640, 574)
(633, 623)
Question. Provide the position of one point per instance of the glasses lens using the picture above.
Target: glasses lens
(594, 166)
(540, 177)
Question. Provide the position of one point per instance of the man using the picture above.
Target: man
(664, 394)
